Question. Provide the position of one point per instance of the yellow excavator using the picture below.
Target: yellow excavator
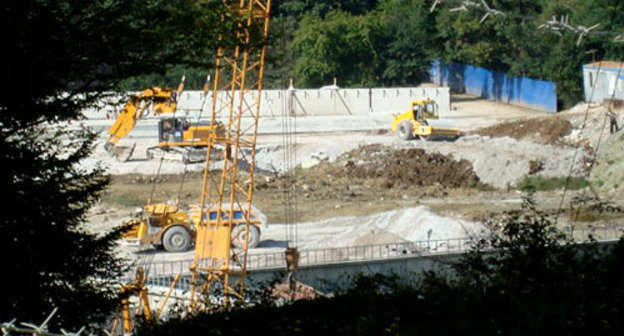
(178, 139)
(419, 122)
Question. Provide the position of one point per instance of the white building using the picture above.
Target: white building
(601, 80)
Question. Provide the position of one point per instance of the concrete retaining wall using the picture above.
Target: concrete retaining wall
(317, 102)
(332, 277)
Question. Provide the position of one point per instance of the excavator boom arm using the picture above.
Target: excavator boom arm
(164, 101)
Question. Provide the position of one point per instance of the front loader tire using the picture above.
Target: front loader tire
(405, 130)
(176, 239)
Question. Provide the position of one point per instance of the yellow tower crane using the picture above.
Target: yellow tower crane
(237, 89)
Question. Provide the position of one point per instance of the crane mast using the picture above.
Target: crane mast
(236, 99)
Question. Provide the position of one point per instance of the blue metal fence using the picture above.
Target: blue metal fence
(536, 94)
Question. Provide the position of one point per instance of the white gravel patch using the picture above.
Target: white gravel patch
(402, 225)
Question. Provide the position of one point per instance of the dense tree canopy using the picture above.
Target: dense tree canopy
(391, 42)
(60, 57)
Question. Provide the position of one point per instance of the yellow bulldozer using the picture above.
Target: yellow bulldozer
(419, 122)
(178, 139)
(171, 228)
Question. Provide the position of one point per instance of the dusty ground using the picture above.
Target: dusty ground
(368, 180)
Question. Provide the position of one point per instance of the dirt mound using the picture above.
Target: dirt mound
(540, 130)
(375, 176)
(412, 166)
(401, 225)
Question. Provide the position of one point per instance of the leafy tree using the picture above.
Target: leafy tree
(280, 58)
(319, 8)
(60, 58)
(340, 46)
(407, 44)
(195, 78)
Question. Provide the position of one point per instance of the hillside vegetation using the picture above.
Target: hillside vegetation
(391, 43)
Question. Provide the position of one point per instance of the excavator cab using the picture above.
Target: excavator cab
(172, 129)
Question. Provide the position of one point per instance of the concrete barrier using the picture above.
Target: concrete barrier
(309, 102)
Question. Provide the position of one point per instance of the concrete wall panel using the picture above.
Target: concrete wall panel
(312, 102)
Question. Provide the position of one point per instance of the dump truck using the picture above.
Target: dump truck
(171, 228)
(420, 121)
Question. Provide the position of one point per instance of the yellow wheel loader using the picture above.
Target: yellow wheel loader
(173, 229)
(419, 122)
(178, 139)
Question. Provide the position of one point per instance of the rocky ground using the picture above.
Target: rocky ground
(358, 188)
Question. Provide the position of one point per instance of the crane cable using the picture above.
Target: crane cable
(289, 141)
(201, 110)
(602, 130)
(160, 164)
(591, 98)
(185, 171)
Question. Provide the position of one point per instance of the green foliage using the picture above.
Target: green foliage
(340, 46)
(320, 8)
(195, 79)
(280, 57)
(60, 58)
(407, 40)
(527, 280)
(541, 183)
(391, 42)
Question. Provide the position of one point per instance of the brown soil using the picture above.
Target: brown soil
(412, 167)
(540, 130)
(382, 167)
(366, 180)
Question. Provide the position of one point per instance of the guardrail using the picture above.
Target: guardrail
(161, 273)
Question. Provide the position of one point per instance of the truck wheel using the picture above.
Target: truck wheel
(405, 130)
(176, 239)
(238, 236)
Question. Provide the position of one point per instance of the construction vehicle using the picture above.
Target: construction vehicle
(226, 220)
(178, 139)
(420, 122)
(183, 141)
(169, 227)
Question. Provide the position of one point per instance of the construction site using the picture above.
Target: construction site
(236, 188)
(343, 187)
(230, 187)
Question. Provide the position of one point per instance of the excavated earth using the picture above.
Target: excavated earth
(411, 166)
(539, 130)
(363, 182)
